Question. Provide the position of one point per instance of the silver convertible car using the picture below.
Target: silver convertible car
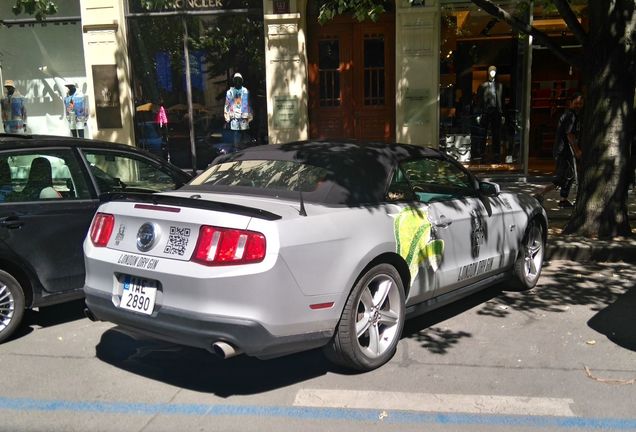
(282, 248)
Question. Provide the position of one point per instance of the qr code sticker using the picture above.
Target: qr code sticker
(177, 241)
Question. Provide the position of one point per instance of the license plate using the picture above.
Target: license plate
(138, 295)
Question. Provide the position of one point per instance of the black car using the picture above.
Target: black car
(50, 187)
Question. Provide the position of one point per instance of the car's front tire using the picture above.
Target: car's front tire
(372, 320)
(11, 305)
(527, 268)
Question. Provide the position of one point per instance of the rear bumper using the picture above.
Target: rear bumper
(201, 331)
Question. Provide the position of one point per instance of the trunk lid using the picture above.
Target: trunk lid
(166, 226)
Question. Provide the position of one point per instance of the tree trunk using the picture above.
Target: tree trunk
(607, 128)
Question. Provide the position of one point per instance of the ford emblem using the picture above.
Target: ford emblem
(146, 236)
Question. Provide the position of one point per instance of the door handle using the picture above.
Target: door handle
(11, 222)
(442, 222)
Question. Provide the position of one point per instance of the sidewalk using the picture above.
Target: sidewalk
(571, 247)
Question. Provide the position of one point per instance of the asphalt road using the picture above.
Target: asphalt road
(559, 357)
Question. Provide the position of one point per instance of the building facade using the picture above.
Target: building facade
(420, 75)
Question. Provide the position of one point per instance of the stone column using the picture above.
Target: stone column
(286, 72)
(107, 70)
(417, 72)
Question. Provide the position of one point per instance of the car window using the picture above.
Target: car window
(400, 188)
(118, 171)
(264, 174)
(41, 175)
(437, 179)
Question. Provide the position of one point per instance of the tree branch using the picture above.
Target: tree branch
(526, 28)
(570, 19)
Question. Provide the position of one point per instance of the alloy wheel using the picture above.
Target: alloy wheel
(533, 252)
(7, 306)
(378, 316)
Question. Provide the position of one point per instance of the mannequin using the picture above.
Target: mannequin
(75, 110)
(161, 119)
(238, 111)
(491, 118)
(14, 113)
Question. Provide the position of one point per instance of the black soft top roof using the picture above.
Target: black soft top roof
(351, 155)
(317, 151)
(358, 172)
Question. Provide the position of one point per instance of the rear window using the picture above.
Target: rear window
(282, 175)
(325, 174)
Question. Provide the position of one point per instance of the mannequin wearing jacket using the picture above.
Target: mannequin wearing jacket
(491, 118)
(14, 114)
(238, 111)
(75, 110)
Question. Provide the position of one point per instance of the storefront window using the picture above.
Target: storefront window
(482, 72)
(220, 43)
(475, 127)
(41, 59)
(373, 69)
(553, 81)
(329, 71)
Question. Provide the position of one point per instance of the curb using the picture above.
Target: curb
(580, 249)
(573, 247)
(562, 217)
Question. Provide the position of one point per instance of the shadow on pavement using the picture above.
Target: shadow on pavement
(595, 285)
(616, 321)
(199, 370)
(605, 288)
(601, 287)
(439, 340)
(50, 316)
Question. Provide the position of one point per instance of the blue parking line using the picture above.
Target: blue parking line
(311, 413)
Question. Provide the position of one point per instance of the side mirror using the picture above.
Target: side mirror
(489, 189)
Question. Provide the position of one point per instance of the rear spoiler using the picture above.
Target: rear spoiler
(194, 201)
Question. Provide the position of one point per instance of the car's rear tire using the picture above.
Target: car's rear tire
(527, 268)
(372, 320)
(11, 305)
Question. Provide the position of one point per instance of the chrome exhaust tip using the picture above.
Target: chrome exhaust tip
(224, 350)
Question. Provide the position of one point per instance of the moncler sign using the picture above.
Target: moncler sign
(175, 5)
(197, 4)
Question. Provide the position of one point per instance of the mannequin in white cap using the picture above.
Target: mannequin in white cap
(238, 110)
(489, 98)
(75, 110)
(14, 113)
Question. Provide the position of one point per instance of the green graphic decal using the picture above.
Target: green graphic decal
(413, 237)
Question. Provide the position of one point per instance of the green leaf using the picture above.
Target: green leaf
(40, 9)
(360, 9)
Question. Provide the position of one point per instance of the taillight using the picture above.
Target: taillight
(102, 228)
(222, 246)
